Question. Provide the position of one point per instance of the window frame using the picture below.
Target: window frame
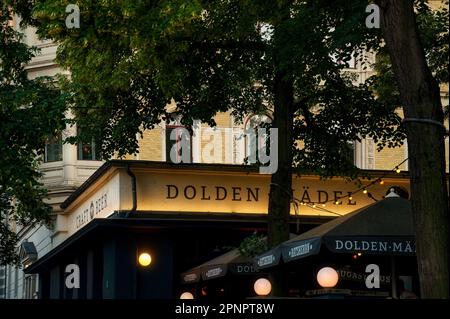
(57, 138)
(92, 144)
(30, 286)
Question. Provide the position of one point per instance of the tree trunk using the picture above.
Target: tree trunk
(421, 100)
(281, 181)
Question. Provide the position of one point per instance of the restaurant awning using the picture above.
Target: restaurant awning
(383, 228)
(230, 262)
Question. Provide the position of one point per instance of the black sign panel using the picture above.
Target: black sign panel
(190, 277)
(269, 259)
(214, 272)
(300, 249)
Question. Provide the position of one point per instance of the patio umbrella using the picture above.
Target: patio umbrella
(230, 262)
(383, 228)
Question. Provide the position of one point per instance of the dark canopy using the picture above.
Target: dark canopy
(384, 228)
(231, 261)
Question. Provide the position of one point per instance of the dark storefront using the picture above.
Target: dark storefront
(107, 253)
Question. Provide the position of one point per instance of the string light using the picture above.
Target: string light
(323, 209)
(380, 181)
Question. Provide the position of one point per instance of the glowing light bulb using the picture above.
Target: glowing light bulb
(145, 259)
(262, 287)
(327, 277)
(365, 191)
(187, 295)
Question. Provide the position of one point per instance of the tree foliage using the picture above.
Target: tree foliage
(253, 245)
(130, 59)
(433, 28)
(31, 110)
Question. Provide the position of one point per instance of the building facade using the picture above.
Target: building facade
(67, 167)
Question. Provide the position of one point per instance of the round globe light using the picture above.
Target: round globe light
(262, 287)
(327, 277)
(145, 259)
(187, 295)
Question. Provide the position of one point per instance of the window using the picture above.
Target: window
(2, 282)
(53, 149)
(364, 153)
(16, 282)
(178, 143)
(88, 151)
(9, 273)
(238, 147)
(30, 287)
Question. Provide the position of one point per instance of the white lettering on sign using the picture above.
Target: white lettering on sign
(245, 269)
(213, 272)
(372, 278)
(375, 246)
(95, 207)
(300, 250)
(190, 278)
(266, 260)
